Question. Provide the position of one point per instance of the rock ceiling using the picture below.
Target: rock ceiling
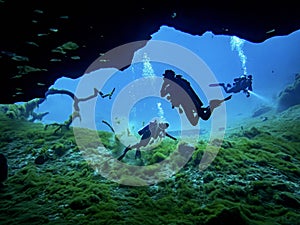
(44, 40)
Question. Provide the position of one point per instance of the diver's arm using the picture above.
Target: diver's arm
(250, 87)
(168, 135)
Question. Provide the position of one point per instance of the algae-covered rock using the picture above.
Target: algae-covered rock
(23, 110)
(83, 202)
(228, 216)
(59, 149)
(252, 132)
(289, 200)
(41, 159)
(158, 157)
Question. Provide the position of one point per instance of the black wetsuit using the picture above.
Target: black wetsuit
(203, 113)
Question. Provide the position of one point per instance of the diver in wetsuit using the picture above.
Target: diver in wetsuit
(243, 83)
(180, 93)
(149, 133)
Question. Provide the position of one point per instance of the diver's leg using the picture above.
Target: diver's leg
(227, 88)
(138, 154)
(204, 113)
(124, 153)
(143, 142)
(192, 116)
(247, 93)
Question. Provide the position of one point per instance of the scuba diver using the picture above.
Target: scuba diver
(149, 133)
(243, 83)
(181, 95)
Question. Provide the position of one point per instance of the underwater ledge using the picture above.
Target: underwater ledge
(254, 178)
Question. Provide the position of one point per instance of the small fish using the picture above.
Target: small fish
(38, 11)
(270, 31)
(20, 58)
(53, 29)
(42, 34)
(17, 76)
(75, 57)
(103, 60)
(64, 17)
(55, 60)
(9, 54)
(32, 43)
(221, 128)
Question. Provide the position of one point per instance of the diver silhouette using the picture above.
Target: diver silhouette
(182, 96)
(243, 83)
(149, 133)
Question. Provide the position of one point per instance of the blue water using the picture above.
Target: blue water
(272, 63)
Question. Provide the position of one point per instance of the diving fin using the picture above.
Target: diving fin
(124, 153)
(216, 102)
(216, 85)
(227, 98)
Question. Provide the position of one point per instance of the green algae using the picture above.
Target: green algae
(253, 179)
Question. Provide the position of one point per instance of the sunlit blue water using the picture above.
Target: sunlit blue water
(272, 63)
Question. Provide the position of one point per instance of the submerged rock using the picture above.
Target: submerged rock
(228, 216)
(290, 95)
(251, 133)
(261, 111)
(41, 159)
(3, 169)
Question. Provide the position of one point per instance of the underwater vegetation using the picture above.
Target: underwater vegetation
(254, 179)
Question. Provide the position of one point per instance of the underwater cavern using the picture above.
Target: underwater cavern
(149, 113)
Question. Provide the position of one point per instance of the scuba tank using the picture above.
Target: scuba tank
(143, 130)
